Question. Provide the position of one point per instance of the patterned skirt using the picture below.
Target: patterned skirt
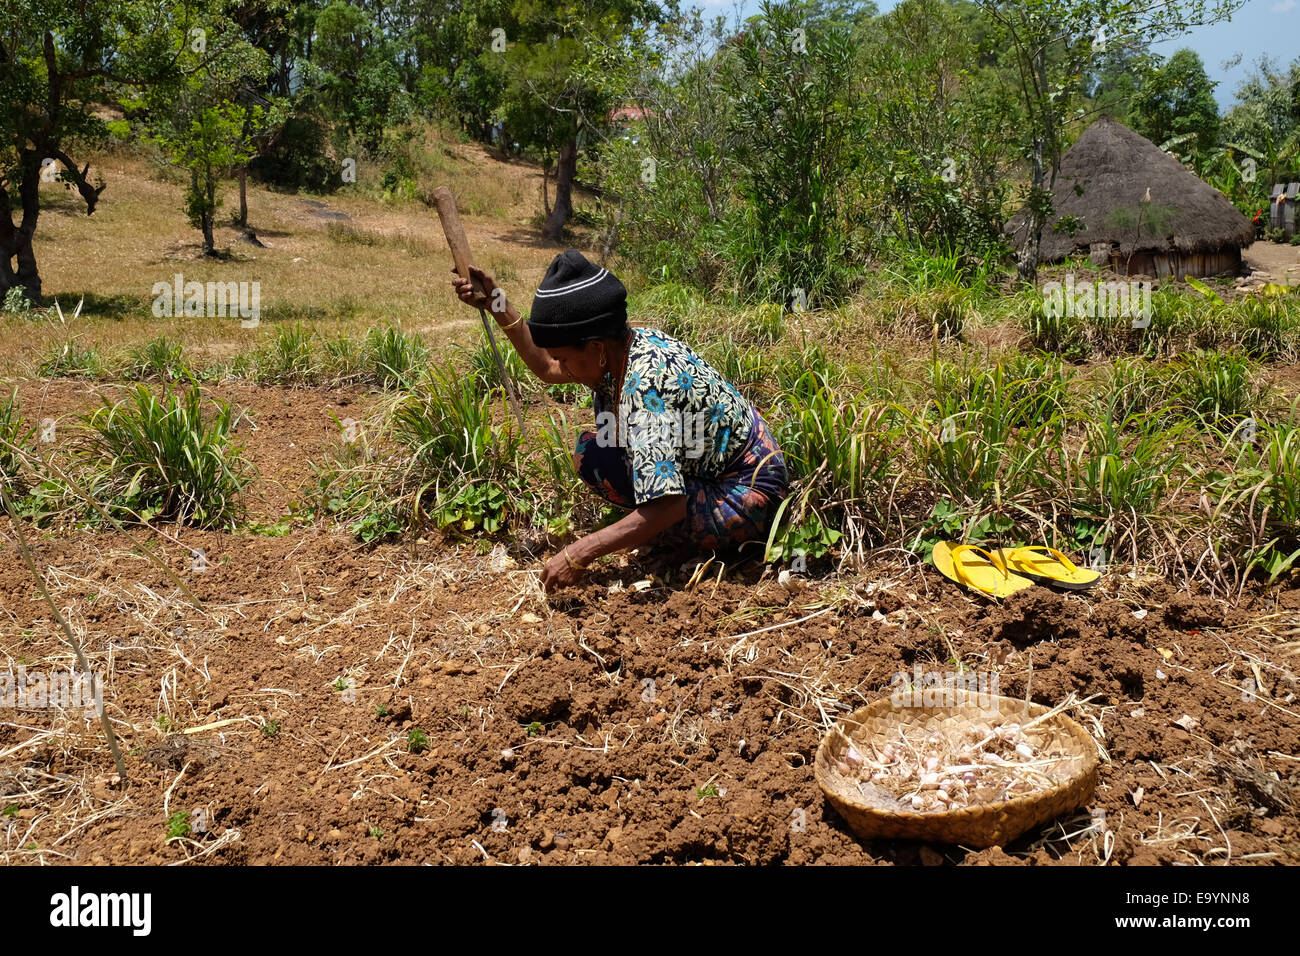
(721, 513)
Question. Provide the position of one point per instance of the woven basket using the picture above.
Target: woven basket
(875, 813)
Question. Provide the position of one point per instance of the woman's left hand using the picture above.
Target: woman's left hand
(558, 573)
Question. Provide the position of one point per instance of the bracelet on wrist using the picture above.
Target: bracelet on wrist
(574, 564)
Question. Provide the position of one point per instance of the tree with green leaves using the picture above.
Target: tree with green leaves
(1266, 114)
(1177, 102)
(206, 142)
(564, 67)
(939, 125)
(798, 124)
(355, 65)
(1116, 78)
(58, 58)
(207, 124)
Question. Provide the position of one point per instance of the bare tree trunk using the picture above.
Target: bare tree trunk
(566, 168)
(208, 213)
(1040, 196)
(16, 241)
(1027, 259)
(243, 197)
(546, 199)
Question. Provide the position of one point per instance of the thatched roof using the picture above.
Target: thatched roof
(1126, 189)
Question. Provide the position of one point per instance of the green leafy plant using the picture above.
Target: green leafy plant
(160, 360)
(150, 456)
(14, 438)
(1218, 388)
(16, 302)
(178, 825)
(290, 358)
(417, 741)
(72, 360)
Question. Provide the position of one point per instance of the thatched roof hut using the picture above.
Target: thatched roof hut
(1136, 208)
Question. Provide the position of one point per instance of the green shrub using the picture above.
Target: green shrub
(149, 456)
(16, 302)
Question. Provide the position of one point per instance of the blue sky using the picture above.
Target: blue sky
(1260, 26)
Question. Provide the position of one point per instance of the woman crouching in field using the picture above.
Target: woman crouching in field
(675, 442)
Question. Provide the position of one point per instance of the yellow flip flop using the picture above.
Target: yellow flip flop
(1046, 565)
(989, 575)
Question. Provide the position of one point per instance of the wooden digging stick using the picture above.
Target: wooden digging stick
(455, 234)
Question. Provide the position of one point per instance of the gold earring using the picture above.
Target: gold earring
(602, 358)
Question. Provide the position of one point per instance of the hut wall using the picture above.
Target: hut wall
(1178, 265)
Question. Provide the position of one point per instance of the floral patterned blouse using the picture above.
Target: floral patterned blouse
(678, 417)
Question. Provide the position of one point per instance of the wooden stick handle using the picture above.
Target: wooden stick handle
(445, 203)
(455, 233)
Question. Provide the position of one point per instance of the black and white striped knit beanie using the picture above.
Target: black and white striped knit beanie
(577, 301)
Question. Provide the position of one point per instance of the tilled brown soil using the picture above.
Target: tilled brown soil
(547, 743)
(672, 724)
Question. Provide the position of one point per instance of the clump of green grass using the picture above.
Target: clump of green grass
(149, 456)
(456, 460)
(1037, 385)
(762, 325)
(1219, 389)
(667, 306)
(983, 438)
(393, 358)
(805, 372)
(463, 466)
(1122, 477)
(840, 451)
(1259, 497)
(14, 439)
(290, 358)
(343, 359)
(1129, 387)
(72, 360)
(158, 360)
(744, 366)
(1056, 332)
(1267, 326)
(483, 366)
